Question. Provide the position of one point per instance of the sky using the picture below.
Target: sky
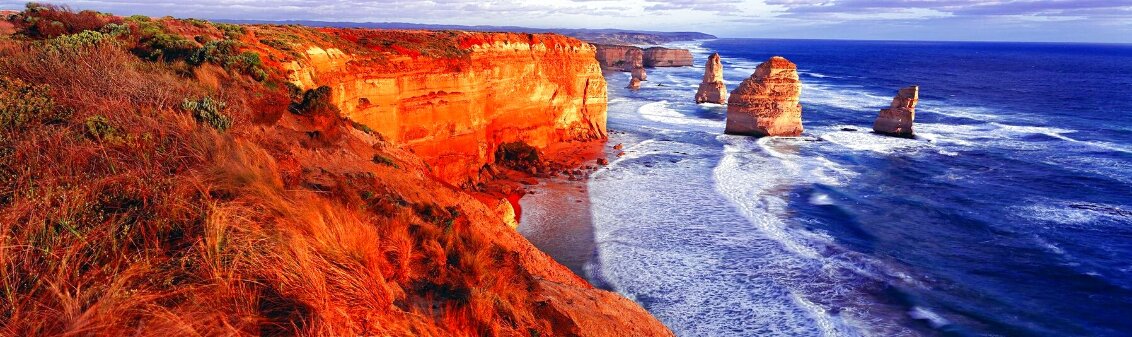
(948, 20)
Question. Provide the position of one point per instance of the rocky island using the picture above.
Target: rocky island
(897, 119)
(712, 89)
(767, 103)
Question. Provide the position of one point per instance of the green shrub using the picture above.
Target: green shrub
(231, 31)
(87, 38)
(22, 103)
(315, 101)
(99, 128)
(208, 110)
(226, 54)
(383, 160)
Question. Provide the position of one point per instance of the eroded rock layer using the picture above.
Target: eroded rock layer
(712, 89)
(454, 111)
(766, 104)
(897, 119)
(667, 57)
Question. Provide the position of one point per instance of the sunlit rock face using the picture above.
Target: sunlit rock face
(540, 89)
(712, 89)
(766, 104)
(897, 119)
(667, 57)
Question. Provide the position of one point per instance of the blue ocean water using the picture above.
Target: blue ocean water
(1010, 214)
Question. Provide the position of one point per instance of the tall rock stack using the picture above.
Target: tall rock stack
(712, 90)
(766, 104)
(634, 64)
(897, 119)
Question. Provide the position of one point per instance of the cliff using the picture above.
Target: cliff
(898, 118)
(166, 179)
(767, 103)
(454, 112)
(667, 57)
(712, 89)
(617, 56)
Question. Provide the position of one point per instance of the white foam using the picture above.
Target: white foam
(660, 112)
(934, 319)
(820, 199)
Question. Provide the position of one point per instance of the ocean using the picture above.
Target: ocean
(1010, 213)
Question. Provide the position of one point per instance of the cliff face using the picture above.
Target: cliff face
(667, 57)
(766, 104)
(454, 112)
(712, 89)
(898, 118)
(618, 57)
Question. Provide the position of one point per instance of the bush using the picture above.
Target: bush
(87, 38)
(48, 21)
(315, 101)
(383, 160)
(99, 128)
(208, 110)
(22, 103)
(226, 54)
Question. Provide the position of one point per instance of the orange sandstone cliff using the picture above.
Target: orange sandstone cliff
(455, 111)
(767, 103)
(163, 178)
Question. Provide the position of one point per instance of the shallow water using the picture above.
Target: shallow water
(1009, 214)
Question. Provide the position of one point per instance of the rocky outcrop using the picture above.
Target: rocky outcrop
(766, 104)
(624, 57)
(618, 57)
(667, 57)
(897, 119)
(634, 84)
(712, 89)
(454, 111)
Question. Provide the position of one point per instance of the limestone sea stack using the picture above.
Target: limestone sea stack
(712, 90)
(766, 104)
(897, 119)
(634, 84)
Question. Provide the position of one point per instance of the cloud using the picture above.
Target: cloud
(1062, 20)
(1050, 8)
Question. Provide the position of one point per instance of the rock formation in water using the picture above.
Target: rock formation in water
(634, 64)
(618, 57)
(766, 104)
(897, 119)
(667, 57)
(624, 57)
(634, 84)
(712, 89)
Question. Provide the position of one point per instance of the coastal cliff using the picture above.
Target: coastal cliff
(181, 177)
(454, 112)
(667, 57)
(767, 103)
(618, 56)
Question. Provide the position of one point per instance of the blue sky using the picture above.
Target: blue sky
(967, 20)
